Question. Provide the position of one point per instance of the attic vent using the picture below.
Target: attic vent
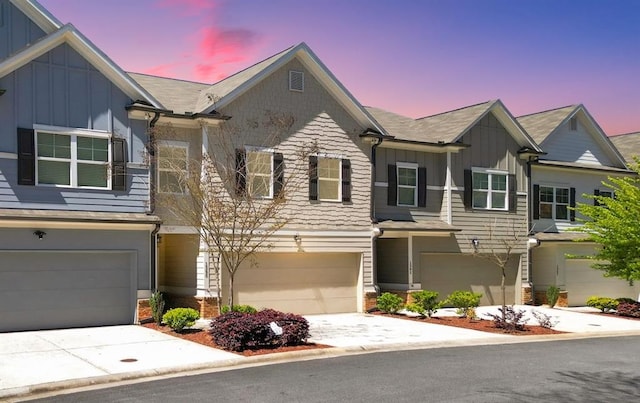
(573, 123)
(296, 81)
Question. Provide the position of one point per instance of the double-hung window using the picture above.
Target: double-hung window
(329, 179)
(554, 203)
(259, 172)
(173, 160)
(490, 189)
(74, 159)
(407, 182)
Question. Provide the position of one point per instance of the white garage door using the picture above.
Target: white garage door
(448, 272)
(300, 283)
(583, 282)
(48, 290)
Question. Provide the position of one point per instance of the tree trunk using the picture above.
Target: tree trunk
(231, 277)
(504, 297)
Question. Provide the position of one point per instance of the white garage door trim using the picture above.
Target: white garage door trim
(56, 292)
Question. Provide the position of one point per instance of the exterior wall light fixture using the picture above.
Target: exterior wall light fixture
(39, 234)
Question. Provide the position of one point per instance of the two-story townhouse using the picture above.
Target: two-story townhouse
(578, 158)
(321, 261)
(76, 236)
(448, 189)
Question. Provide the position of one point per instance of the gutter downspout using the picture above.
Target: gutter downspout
(377, 232)
(152, 163)
(532, 298)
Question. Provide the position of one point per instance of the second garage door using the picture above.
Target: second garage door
(448, 272)
(51, 289)
(301, 283)
(582, 281)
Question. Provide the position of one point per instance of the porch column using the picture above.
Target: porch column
(412, 283)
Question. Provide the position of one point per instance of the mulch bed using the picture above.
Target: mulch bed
(202, 336)
(474, 324)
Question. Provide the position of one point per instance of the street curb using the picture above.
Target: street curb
(13, 394)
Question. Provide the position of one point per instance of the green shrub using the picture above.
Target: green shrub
(425, 303)
(626, 299)
(463, 301)
(553, 293)
(604, 304)
(389, 303)
(156, 303)
(179, 318)
(238, 308)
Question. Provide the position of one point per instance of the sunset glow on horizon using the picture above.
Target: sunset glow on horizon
(415, 58)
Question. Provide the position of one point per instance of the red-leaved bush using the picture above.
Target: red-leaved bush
(237, 331)
(631, 309)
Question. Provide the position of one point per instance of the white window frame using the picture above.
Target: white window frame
(554, 204)
(73, 161)
(339, 158)
(490, 192)
(406, 165)
(610, 193)
(173, 144)
(248, 179)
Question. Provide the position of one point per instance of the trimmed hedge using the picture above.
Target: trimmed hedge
(604, 304)
(236, 331)
(179, 318)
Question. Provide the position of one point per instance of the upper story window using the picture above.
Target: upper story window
(173, 159)
(407, 175)
(74, 160)
(259, 172)
(329, 178)
(554, 202)
(329, 173)
(490, 189)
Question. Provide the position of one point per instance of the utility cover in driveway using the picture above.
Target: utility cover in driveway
(60, 289)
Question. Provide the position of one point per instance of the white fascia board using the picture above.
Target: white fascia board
(38, 14)
(512, 125)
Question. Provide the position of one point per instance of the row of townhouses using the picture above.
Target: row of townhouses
(401, 204)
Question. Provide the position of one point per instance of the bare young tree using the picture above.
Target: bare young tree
(500, 246)
(234, 196)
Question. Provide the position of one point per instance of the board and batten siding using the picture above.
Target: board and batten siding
(62, 89)
(16, 29)
(436, 168)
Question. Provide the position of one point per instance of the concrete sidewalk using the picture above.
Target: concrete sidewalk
(59, 359)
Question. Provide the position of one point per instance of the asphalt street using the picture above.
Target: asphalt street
(584, 370)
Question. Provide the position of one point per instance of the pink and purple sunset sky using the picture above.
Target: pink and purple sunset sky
(413, 57)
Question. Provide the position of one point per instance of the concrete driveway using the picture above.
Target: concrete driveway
(55, 359)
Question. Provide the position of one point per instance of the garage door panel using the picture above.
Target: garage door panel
(308, 283)
(582, 281)
(52, 289)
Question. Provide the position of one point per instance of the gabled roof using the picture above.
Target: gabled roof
(542, 125)
(59, 34)
(180, 96)
(222, 93)
(449, 127)
(628, 144)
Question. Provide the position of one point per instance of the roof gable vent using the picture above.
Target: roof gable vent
(296, 81)
(573, 123)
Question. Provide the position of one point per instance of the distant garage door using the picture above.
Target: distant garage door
(448, 272)
(49, 290)
(301, 283)
(582, 281)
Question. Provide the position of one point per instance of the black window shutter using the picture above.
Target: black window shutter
(468, 188)
(313, 177)
(278, 174)
(346, 180)
(422, 187)
(572, 203)
(392, 185)
(536, 202)
(26, 157)
(513, 193)
(596, 193)
(119, 164)
(241, 172)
